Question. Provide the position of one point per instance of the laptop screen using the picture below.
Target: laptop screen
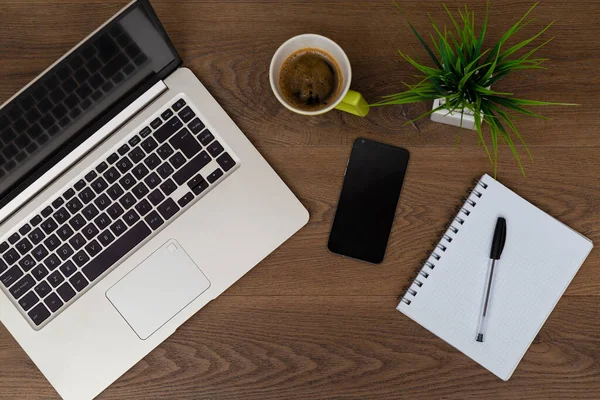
(82, 92)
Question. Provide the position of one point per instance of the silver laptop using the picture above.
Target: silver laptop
(128, 201)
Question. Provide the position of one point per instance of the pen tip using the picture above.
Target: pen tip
(479, 337)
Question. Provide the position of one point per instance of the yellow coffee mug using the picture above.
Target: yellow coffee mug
(347, 100)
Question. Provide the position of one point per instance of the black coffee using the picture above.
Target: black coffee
(310, 79)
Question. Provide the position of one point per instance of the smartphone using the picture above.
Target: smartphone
(365, 212)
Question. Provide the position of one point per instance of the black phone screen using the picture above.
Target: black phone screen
(368, 201)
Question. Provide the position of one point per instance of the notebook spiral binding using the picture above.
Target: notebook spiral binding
(453, 228)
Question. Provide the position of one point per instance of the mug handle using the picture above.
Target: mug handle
(354, 103)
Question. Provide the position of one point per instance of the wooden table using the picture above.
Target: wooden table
(306, 324)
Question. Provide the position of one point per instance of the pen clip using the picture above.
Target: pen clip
(499, 239)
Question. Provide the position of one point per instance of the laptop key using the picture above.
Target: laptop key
(102, 221)
(156, 197)
(43, 289)
(37, 219)
(106, 238)
(53, 302)
(77, 241)
(77, 222)
(140, 171)
(68, 194)
(27, 262)
(131, 217)
(115, 191)
(116, 250)
(115, 210)
(66, 292)
(118, 228)
(186, 114)
(156, 123)
(168, 129)
(124, 164)
(136, 155)
(11, 256)
(149, 144)
(78, 281)
(11, 276)
(49, 225)
(205, 137)
(39, 314)
(185, 200)
(196, 125)
(80, 258)
(74, 205)
(52, 242)
(3, 247)
(90, 176)
(89, 212)
(178, 105)
(14, 238)
(123, 150)
(112, 158)
(216, 174)
(168, 186)
(177, 160)
(191, 168)
(165, 170)
(21, 287)
(39, 272)
(3, 266)
(65, 251)
(111, 175)
(52, 262)
(25, 228)
(145, 132)
(102, 202)
(154, 220)
(28, 301)
(92, 248)
(152, 161)
(225, 161)
(46, 211)
(186, 142)
(152, 180)
(140, 190)
(24, 246)
(87, 195)
(61, 215)
(90, 231)
(103, 166)
(201, 187)
(168, 113)
(127, 201)
(99, 185)
(164, 151)
(68, 268)
(215, 148)
(79, 185)
(168, 208)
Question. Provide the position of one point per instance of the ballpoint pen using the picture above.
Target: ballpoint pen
(496, 251)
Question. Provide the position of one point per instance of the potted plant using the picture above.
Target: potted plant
(461, 79)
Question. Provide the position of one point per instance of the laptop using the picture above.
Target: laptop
(128, 201)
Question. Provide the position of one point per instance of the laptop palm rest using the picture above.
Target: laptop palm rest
(157, 289)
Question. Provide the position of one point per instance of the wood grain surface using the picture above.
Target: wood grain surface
(306, 324)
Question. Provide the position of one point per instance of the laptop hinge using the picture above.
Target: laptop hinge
(78, 153)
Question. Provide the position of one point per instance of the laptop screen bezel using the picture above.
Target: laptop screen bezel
(94, 125)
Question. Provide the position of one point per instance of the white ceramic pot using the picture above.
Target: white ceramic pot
(444, 116)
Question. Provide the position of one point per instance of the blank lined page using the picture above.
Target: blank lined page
(540, 258)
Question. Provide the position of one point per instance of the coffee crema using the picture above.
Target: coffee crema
(310, 79)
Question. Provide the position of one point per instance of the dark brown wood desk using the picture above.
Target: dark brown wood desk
(305, 324)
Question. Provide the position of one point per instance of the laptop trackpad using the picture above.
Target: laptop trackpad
(157, 289)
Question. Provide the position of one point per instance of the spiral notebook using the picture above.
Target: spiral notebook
(540, 258)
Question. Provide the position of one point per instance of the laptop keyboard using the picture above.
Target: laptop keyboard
(135, 190)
